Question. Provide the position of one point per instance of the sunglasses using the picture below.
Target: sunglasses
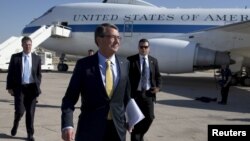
(145, 47)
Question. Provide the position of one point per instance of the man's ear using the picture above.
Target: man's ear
(99, 40)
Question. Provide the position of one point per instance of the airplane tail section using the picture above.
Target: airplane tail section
(13, 44)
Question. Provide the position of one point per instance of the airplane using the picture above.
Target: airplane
(183, 40)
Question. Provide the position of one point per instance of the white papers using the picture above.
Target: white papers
(133, 113)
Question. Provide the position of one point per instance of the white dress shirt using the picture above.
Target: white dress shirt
(114, 67)
(29, 57)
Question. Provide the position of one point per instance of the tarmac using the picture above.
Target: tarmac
(179, 117)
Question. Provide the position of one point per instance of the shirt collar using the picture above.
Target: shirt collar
(29, 54)
(141, 56)
(103, 59)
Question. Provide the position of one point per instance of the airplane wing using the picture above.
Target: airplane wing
(233, 37)
(240, 27)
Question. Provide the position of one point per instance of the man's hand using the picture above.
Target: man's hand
(155, 90)
(11, 92)
(129, 129)
(68, 134)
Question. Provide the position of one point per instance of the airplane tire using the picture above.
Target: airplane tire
(62, 67)
(65, 67)
(246, 82)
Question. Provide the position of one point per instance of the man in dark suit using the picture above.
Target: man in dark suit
(104, 91)
(23, 82)
(145, 80)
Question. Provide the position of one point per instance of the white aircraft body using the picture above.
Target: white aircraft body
(181, 39)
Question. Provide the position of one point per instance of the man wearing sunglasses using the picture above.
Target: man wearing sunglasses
(145, 82)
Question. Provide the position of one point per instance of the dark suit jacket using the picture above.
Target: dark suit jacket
(87, 82)
(135, 73)
(14, 77)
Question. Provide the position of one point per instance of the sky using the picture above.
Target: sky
(15, 14)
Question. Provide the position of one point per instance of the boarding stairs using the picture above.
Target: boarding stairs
(13, 44)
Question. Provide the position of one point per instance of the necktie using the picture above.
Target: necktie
(143, 75)
(109, 83)
(109, 79)
(26, 71)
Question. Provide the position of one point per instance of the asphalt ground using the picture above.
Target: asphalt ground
(179, 117)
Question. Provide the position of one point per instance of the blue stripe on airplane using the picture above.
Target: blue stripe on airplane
(136, 28)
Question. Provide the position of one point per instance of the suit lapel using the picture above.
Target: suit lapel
(96, 70)
(34, 63)
(151, 64)
(121, 68)
(138, 63)
(33, 59)
(20, 63)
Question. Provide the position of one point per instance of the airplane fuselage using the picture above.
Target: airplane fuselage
(136, 22)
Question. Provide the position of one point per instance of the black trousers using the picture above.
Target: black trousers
(224, 93)
(145, 101)
(26, 101)
(111, 133)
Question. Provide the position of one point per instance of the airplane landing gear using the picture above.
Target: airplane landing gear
(247, 81)
(62, 67)
(242, 78)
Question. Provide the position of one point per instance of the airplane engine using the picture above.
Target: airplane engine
(180, 56)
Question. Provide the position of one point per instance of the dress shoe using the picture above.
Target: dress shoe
(14, 129)
(31, 138)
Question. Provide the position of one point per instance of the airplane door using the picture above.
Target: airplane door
(64, 24)
(128, 29)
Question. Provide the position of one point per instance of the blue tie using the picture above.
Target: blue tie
(144, 76)
(26, 71)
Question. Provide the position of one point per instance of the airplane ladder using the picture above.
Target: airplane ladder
(13, 44)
